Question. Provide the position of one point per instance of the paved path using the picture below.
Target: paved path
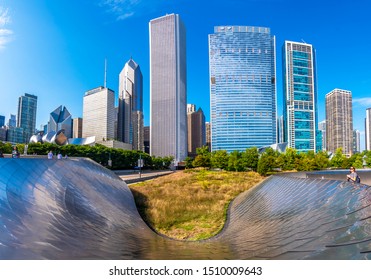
(132, 176)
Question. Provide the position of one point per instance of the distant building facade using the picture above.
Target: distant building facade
(356, 141)
(59, 119)
(168, 93)
(196, 131)
(27, 108)
(77, 128)
(2, 121)
(368, 130)
(146, 140)
(99, 114)
(322, 128)
(12, 121)
(208, 134)
(339, 121)
(242, 88)
(300, 96)
(130, 111)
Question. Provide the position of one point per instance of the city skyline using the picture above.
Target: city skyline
(56, 50)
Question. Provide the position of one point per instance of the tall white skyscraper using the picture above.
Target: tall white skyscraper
(99, 114)
(130, 111)
(168, 87)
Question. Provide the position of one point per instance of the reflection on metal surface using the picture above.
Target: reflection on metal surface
(60, 139)
(76, 209)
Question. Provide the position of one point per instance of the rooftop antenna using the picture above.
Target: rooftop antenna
(105, 73)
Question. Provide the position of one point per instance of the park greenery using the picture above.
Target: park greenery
(271, 161)
(265, 163)
(121, 159)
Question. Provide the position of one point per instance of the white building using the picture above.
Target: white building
(130, 111)
(99, 114)
(168, 117)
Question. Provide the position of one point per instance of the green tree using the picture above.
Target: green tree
(219, 159)
(188, 162)
(267, 162)
(203, 158)
(338, 158)
(250, 159)
(321, 160)
(235, 162)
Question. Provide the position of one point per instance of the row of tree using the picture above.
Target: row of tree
(272, 161)
(120, 159)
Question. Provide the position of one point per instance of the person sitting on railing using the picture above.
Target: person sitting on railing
(353, 176)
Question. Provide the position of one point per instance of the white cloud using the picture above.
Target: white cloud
(365, 101)
(5, 33)
(122, 9)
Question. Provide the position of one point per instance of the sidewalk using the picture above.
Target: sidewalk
(132, 176)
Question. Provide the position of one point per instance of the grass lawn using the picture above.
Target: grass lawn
(191, 204)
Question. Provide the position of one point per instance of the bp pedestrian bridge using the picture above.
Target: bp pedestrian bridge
(76, 209)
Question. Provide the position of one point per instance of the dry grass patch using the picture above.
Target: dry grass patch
(191, 204)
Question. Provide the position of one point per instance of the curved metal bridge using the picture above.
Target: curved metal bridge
(76, 209)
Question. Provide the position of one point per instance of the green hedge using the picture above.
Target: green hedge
(121, 159)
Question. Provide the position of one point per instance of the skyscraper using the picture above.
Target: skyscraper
(242, 88)
(27, 106)
(368, 130)
(59, 119)
(339, 121)
(12, 121)
(77, 128)
(322, 128)
(356, 141)
(2, 121)
(196, 131)
(300, 96)
(130, 112)
(168, 87)
(99, 114)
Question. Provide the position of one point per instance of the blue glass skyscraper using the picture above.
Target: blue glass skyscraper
(27, 106)
(242, 88)
(300, 97)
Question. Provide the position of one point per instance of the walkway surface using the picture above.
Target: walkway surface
(133, 176)
(77, 209)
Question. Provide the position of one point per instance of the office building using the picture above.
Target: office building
(146, 138)
(196, 131)
(168, 117)
(191, 108)
(339, 121)
(12, 122)
(280, 130)
(27, 107)
(356, 141)
(242, 88)
(2, 121)
(208, 134)
(99, 114)
(300, 96)
(15, 135)
(59, 119)
(322, 128)
(77, 128)
(368, 130)
(130, 111)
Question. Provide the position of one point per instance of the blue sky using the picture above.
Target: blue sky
(56, 49)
